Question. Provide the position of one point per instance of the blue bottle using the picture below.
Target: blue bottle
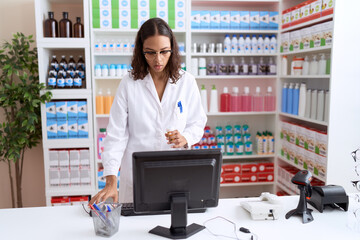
(296, 92)
(290, 95)
(284, 98)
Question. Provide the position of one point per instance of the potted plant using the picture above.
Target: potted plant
(21, 96)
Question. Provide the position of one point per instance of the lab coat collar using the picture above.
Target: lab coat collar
(149, 82)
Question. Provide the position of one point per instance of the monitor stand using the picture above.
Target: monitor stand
(178, 229)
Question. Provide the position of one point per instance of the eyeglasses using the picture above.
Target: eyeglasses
(151, 55)
(356, 184)
(356, 155)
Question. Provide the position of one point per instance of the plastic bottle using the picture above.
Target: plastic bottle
(227, 44)
(253, 67)
(97, 46)
(259, 146)
(308, 103)
(111, 46)
(50, 26)
(211, 67)
(320, 105)
(247, 44)
(241, 44)
(222, 67)
(258, 101)
(108, 100)
(262, 69)
(246, 100)
(328, 64)
(269, 100)
(239, 148)
(101, 138)
(234, 100)
(225, 101)
(295, 108)
(233, 67)
(284, 66)
(326, 110)
(290, 98)
(243, 67)
(118, 46)
(100, 102)
(305, 70)
(78, 28)
(65, 26)
(126, 47)
(248, 149)
(254, 44)
(302, 100)
(266, 44)
(260, 44)
(284, 101)
(313, 104)
(63, 63)
(314, 66)
(322, 65)
(203, 95)
(271, 67)
(104, 70)
(273, 44)
(97, 70)
(54, 63)
(230, 148)
(234, 44)
(112, 71)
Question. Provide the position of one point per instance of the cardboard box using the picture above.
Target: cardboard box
(51, 129)
(62, 129)
(75, 176)
(84, 157)
(315, 9)
(85, 176)
(249, 168)
(273, 21)
(326, 33)
(264, 20)
(244, 20)
(316, 34)
(295, 39)
(83, 128)
(305, 38)
(254, 20)
(225, 19)
(78, 200)
(286, 20)
(53, 159)
(295, 15)
(285, 42)
(231, 168)
(310, 139)
(180, 15)
(251, 177)
(50, 111)
(214, 19)
(265, 177)
(73, 129)
(327, 7)
(195, 19)
(82, 110)
(266, 167)
(234, 19)
(231, 178)
(64, 158)
(54, 177)
(321, 142)
(60, 201)
(64, 176)
(72, 110)
(204, 19)
(74, 158)
(61, 110)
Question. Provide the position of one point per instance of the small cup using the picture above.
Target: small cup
(106, 223)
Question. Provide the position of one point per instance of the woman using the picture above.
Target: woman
(157, 107)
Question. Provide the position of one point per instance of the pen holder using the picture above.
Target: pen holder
(106, 223)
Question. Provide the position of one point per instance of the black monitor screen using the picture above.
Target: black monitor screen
(162, 179)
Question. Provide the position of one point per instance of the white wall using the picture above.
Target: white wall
(344, 121)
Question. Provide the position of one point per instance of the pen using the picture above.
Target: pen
(96, 212)
(102, 215)
(180, 106)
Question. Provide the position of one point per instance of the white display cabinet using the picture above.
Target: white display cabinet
(47, 47)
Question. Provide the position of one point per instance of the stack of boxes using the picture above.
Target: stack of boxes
(131, 14)
(69, 168)
(305, 147)
(67, 119)
(244, 20)
(247, 172)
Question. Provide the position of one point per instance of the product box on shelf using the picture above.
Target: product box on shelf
(214, 19)
(265, 167)
(85, 176)
(295, 15)
(295, 39)
(64, 159)
(315, 9)
(231, 168)
(82, 109)
(72, 110)
(305, 38)
(286, 18)
(62, 129)
(304, 11)
(180, 14)
(105, 14)
(321, 140)
(326, 33)
(264, 20)
(64, 177)
(143, 12)
(60, 201)
(225, 19)
(162, 10)
(85, 157)
(244, 20)
(249, 168)
(327, 7)
(125, 14)
(234, 19)
(61, 110)
(315, 36)
(266, 177)
(273, 20)
(320, 166)
(53, 159)
(73, 129)
(231, 178)
(195, 19)
(74, 158)
(204, 19)
(285, 42)
(249, 177)
(50, 110)
(54, 177)
(51, 129)
(77, 200)
(254, 20)
(83, 128)
(74, 176)
(310, 139)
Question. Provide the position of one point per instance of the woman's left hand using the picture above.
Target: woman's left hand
(174, 137)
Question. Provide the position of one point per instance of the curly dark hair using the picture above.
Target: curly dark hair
(152, 27)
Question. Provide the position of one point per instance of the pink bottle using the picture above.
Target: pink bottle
(100, 143)
(234, 100)
(258, 101)
(225, 101)
(246, 100)
(270, 100)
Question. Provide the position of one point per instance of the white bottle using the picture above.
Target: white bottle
(118, 46)
(308, 103)
(284, 66)
(313, 113)
(227, 44)
(313, 66)
(254, 44)
(320, 105)
(234, 44)
(214, 108)
(326, 111)
(241, 44)
(104, 46)
(247, 44)
(260, 44)
(273, 44)
(305, 70)
(322, 65)
(266, 44)
(203, 95)
(302, 100)
(97, 46)
(111, 45)
(126, 47)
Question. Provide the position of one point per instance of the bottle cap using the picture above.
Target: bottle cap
(203, 87)
(246, 90)
(214, 87)
(257, 89)
(235, 89)
(225, 90)
(269, 89)
(102, 130)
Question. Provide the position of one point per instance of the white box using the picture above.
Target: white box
(124, 14)
(320, 166)
(84, 157)
(224, 19)
(295, 38)
(74, 158)
(54, 177)
(53, 158)
(162, 10)
(143, 12)
(85, 177)
(180, 15)
(105, 14)
(64, 158)
(64, 176)
(285, 42)
(234, 19)
(305, 37)
(273, 20)
(204, 19)
(214, 19)
(316, 35)
(321, 142)
(82, 109)
(195, 19)
(62, 129)
(244, 20)
(50, 110)
(61, 110)
(83, 128)
(254, 20)
(74, 176)
(72, 110)
(51, 129)
(326, 33)
(264, 20)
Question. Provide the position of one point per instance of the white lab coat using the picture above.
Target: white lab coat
(138, 122)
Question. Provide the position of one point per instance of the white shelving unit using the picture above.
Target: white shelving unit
(65, 46)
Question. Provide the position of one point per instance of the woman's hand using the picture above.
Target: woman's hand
(109, 191)
(174, 137)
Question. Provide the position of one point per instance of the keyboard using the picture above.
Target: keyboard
(127, 209)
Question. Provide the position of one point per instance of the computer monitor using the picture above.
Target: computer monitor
(176, 181)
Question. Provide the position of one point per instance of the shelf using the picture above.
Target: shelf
(285, 188)
(255, 156)
(107, 78)
(232, 31)
(221, 114)
(98, 30)
(70, 191)
(245, 184)
(234, 1)
(322, 123)
(117, 54)
(236, 77)
(308, 23)
(68, 143)
(63, 43)
(298, 167)
(69, 93)
(306, 76)
(310, 50)
(233, 55)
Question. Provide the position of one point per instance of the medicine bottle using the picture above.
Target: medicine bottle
(50, 26)
(65, 26)
(78, 28)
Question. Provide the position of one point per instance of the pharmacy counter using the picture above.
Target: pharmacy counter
(71, 222)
